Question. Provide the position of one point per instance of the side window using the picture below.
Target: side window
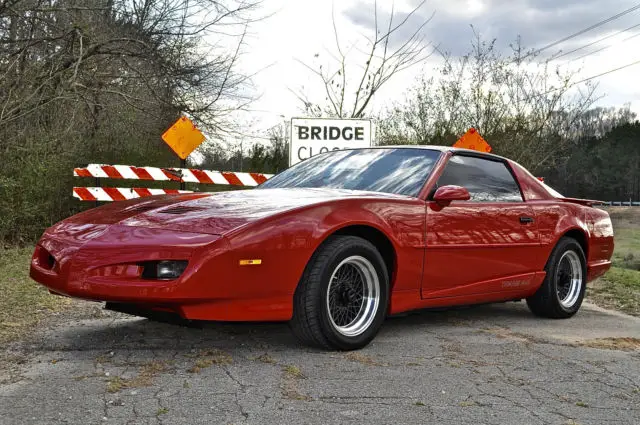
(486, 180)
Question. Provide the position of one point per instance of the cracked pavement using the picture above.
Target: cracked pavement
(494, 364)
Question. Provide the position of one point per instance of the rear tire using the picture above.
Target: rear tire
(563, 289)
(341, 300)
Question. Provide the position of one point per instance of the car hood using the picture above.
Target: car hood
(216, 213)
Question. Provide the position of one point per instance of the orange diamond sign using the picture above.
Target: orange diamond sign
(472, 140)
(183, 137)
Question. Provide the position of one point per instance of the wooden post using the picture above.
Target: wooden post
(97, 185)
(183, 165)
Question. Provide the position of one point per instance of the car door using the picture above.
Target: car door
(487, 244)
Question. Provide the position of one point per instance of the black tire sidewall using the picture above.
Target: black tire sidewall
(361, 247)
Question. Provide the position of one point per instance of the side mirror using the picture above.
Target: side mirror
(445, 194)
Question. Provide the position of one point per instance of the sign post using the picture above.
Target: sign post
(183, 137)
(183, 165)
(313, 136)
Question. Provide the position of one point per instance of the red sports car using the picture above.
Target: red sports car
(336, 243)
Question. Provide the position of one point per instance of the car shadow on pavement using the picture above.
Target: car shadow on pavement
(121, 331)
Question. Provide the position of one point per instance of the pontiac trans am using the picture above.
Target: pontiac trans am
(336, 243)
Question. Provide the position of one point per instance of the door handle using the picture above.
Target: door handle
(526, 220)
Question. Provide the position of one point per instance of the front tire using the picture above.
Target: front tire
(563, 289)
(341, 300)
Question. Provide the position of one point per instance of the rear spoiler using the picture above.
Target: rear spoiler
(587, 202)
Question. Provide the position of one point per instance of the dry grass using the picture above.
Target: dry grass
(144, 378)
(290, 392)
(626, 227)
(208, 358)
(290, 376)
(619, 289)
(624, 343)
(505, 333)
(115, 384)
(265, 358)
(23, 302)
(291, 371)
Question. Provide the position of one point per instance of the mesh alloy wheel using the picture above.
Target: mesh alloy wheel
(569, 279)
(353, 295)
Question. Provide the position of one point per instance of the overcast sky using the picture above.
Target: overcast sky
(300, 29)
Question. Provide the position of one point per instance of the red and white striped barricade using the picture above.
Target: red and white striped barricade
(129, 172)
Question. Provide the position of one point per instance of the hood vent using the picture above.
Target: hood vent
(140, 208)
(178, 210)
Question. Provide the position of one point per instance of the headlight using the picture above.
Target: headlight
(163, 270)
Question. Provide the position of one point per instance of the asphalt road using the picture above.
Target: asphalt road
(486, 365)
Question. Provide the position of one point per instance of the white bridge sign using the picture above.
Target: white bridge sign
(313, 136)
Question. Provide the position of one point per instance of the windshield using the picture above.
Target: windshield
(401, 171)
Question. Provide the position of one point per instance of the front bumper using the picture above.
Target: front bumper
(95, 264)
(101, 263)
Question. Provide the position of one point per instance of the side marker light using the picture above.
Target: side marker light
(253, 262)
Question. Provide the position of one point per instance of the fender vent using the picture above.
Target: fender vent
(180, 210)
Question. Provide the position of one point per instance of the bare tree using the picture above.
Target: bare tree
(145, 52)
(526, 109)
(348, 86)
(278, 157)
(99, 81)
